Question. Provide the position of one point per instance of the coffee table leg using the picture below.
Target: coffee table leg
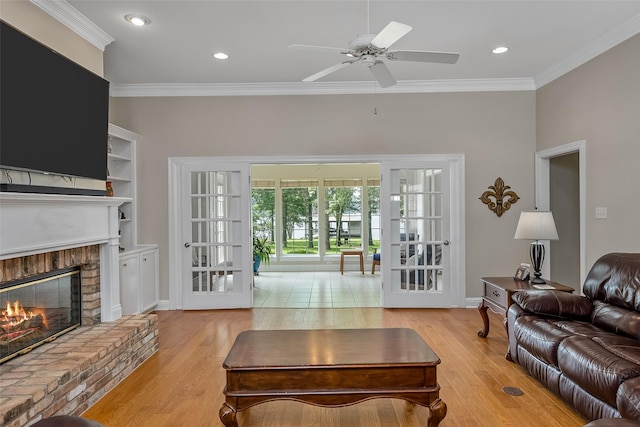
(438, 411)
(228, 415)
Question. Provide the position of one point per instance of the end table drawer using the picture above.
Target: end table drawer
(495, 294)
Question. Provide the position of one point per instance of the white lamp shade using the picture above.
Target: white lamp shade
(536, 225)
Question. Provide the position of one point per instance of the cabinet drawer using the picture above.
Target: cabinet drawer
(495, 294)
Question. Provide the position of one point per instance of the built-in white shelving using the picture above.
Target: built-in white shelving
(121, 166)
(139, 280)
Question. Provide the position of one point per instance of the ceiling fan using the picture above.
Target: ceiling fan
(370, 49)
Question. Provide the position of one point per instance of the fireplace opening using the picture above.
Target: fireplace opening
(38, 309)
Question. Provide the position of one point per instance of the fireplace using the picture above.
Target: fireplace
(41, 237)
(37, 310)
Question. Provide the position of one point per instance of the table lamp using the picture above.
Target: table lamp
(536, 226)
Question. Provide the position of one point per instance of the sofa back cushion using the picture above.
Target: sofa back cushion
(554, 303)
(616, 319)
(615, 279)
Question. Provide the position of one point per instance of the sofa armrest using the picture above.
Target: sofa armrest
(554, 303)
(513, 313)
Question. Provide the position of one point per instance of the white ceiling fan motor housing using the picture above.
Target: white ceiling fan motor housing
(361, 46)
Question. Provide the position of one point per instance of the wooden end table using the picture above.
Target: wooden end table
(497, 295)
(356, 252)
(330, 368)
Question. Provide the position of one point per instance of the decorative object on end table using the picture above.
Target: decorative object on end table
(522, 272)
(262, 249)
(536, 226)
(504, 197)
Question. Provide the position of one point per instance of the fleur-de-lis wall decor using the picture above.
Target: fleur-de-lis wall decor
(504, 197)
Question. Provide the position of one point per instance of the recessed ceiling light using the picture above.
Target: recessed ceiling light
(500, 49)
(220, 55)
(138, 20)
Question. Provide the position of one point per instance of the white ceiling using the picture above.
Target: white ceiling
(546, 39)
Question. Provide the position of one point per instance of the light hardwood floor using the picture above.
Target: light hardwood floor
(182, 384)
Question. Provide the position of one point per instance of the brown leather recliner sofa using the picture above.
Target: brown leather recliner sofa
(585, 349)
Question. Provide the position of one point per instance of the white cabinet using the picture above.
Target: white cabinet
(149, 280)
(139, 280)
(130, 283)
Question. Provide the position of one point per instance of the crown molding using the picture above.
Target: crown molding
(77, 22)
(318, 88)
(610, 39)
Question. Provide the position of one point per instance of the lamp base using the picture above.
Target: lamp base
(538, 281)
(536, 252)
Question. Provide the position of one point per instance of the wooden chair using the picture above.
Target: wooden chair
(375, 261)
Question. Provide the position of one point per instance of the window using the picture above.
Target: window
(343, 208)
(299, 221)
(373, 212)
(313, 210)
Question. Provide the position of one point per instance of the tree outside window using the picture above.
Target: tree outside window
(299, 236)
(343, 210)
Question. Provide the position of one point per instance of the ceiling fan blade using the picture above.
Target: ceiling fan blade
(390, 34)
(382, 74)
(423, 56)
(311, 47)
(327, 71)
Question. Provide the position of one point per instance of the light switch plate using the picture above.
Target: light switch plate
(601, 212)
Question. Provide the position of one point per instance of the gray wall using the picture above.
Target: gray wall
(495, 131)
(498, 132)
(599, 102)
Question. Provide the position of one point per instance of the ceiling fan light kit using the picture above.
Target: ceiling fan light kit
(371, 49)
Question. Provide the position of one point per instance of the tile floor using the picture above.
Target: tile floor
(316, 289)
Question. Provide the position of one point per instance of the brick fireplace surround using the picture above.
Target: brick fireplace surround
(41, 233)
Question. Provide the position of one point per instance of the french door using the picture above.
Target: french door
(422, 231)
(415, 254)
(216, 236)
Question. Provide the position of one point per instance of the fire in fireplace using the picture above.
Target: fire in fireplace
(38, 309)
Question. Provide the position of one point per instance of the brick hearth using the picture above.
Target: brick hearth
(68, 375)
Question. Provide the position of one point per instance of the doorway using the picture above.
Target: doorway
(182, 270)
(561, 188)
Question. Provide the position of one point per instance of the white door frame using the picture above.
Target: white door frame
(543, 192)
(457, 214)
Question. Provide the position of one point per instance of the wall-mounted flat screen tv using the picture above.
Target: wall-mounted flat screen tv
(54, 113)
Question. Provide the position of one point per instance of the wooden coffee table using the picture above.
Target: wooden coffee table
(331, 368)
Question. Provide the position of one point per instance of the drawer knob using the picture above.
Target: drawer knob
(496, 293)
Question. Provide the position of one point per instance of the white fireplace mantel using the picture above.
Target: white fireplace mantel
(32, 223)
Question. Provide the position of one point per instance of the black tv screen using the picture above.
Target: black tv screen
(53, 113)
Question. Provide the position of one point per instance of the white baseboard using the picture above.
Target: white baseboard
(163, 305)
(472, 302)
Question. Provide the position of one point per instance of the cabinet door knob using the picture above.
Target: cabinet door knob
(144, 259)
(186, 245)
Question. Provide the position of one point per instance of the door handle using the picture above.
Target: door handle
(186, 245)
(446, 243)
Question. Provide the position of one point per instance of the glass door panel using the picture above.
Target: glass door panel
(218, 238)
(415, 234)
